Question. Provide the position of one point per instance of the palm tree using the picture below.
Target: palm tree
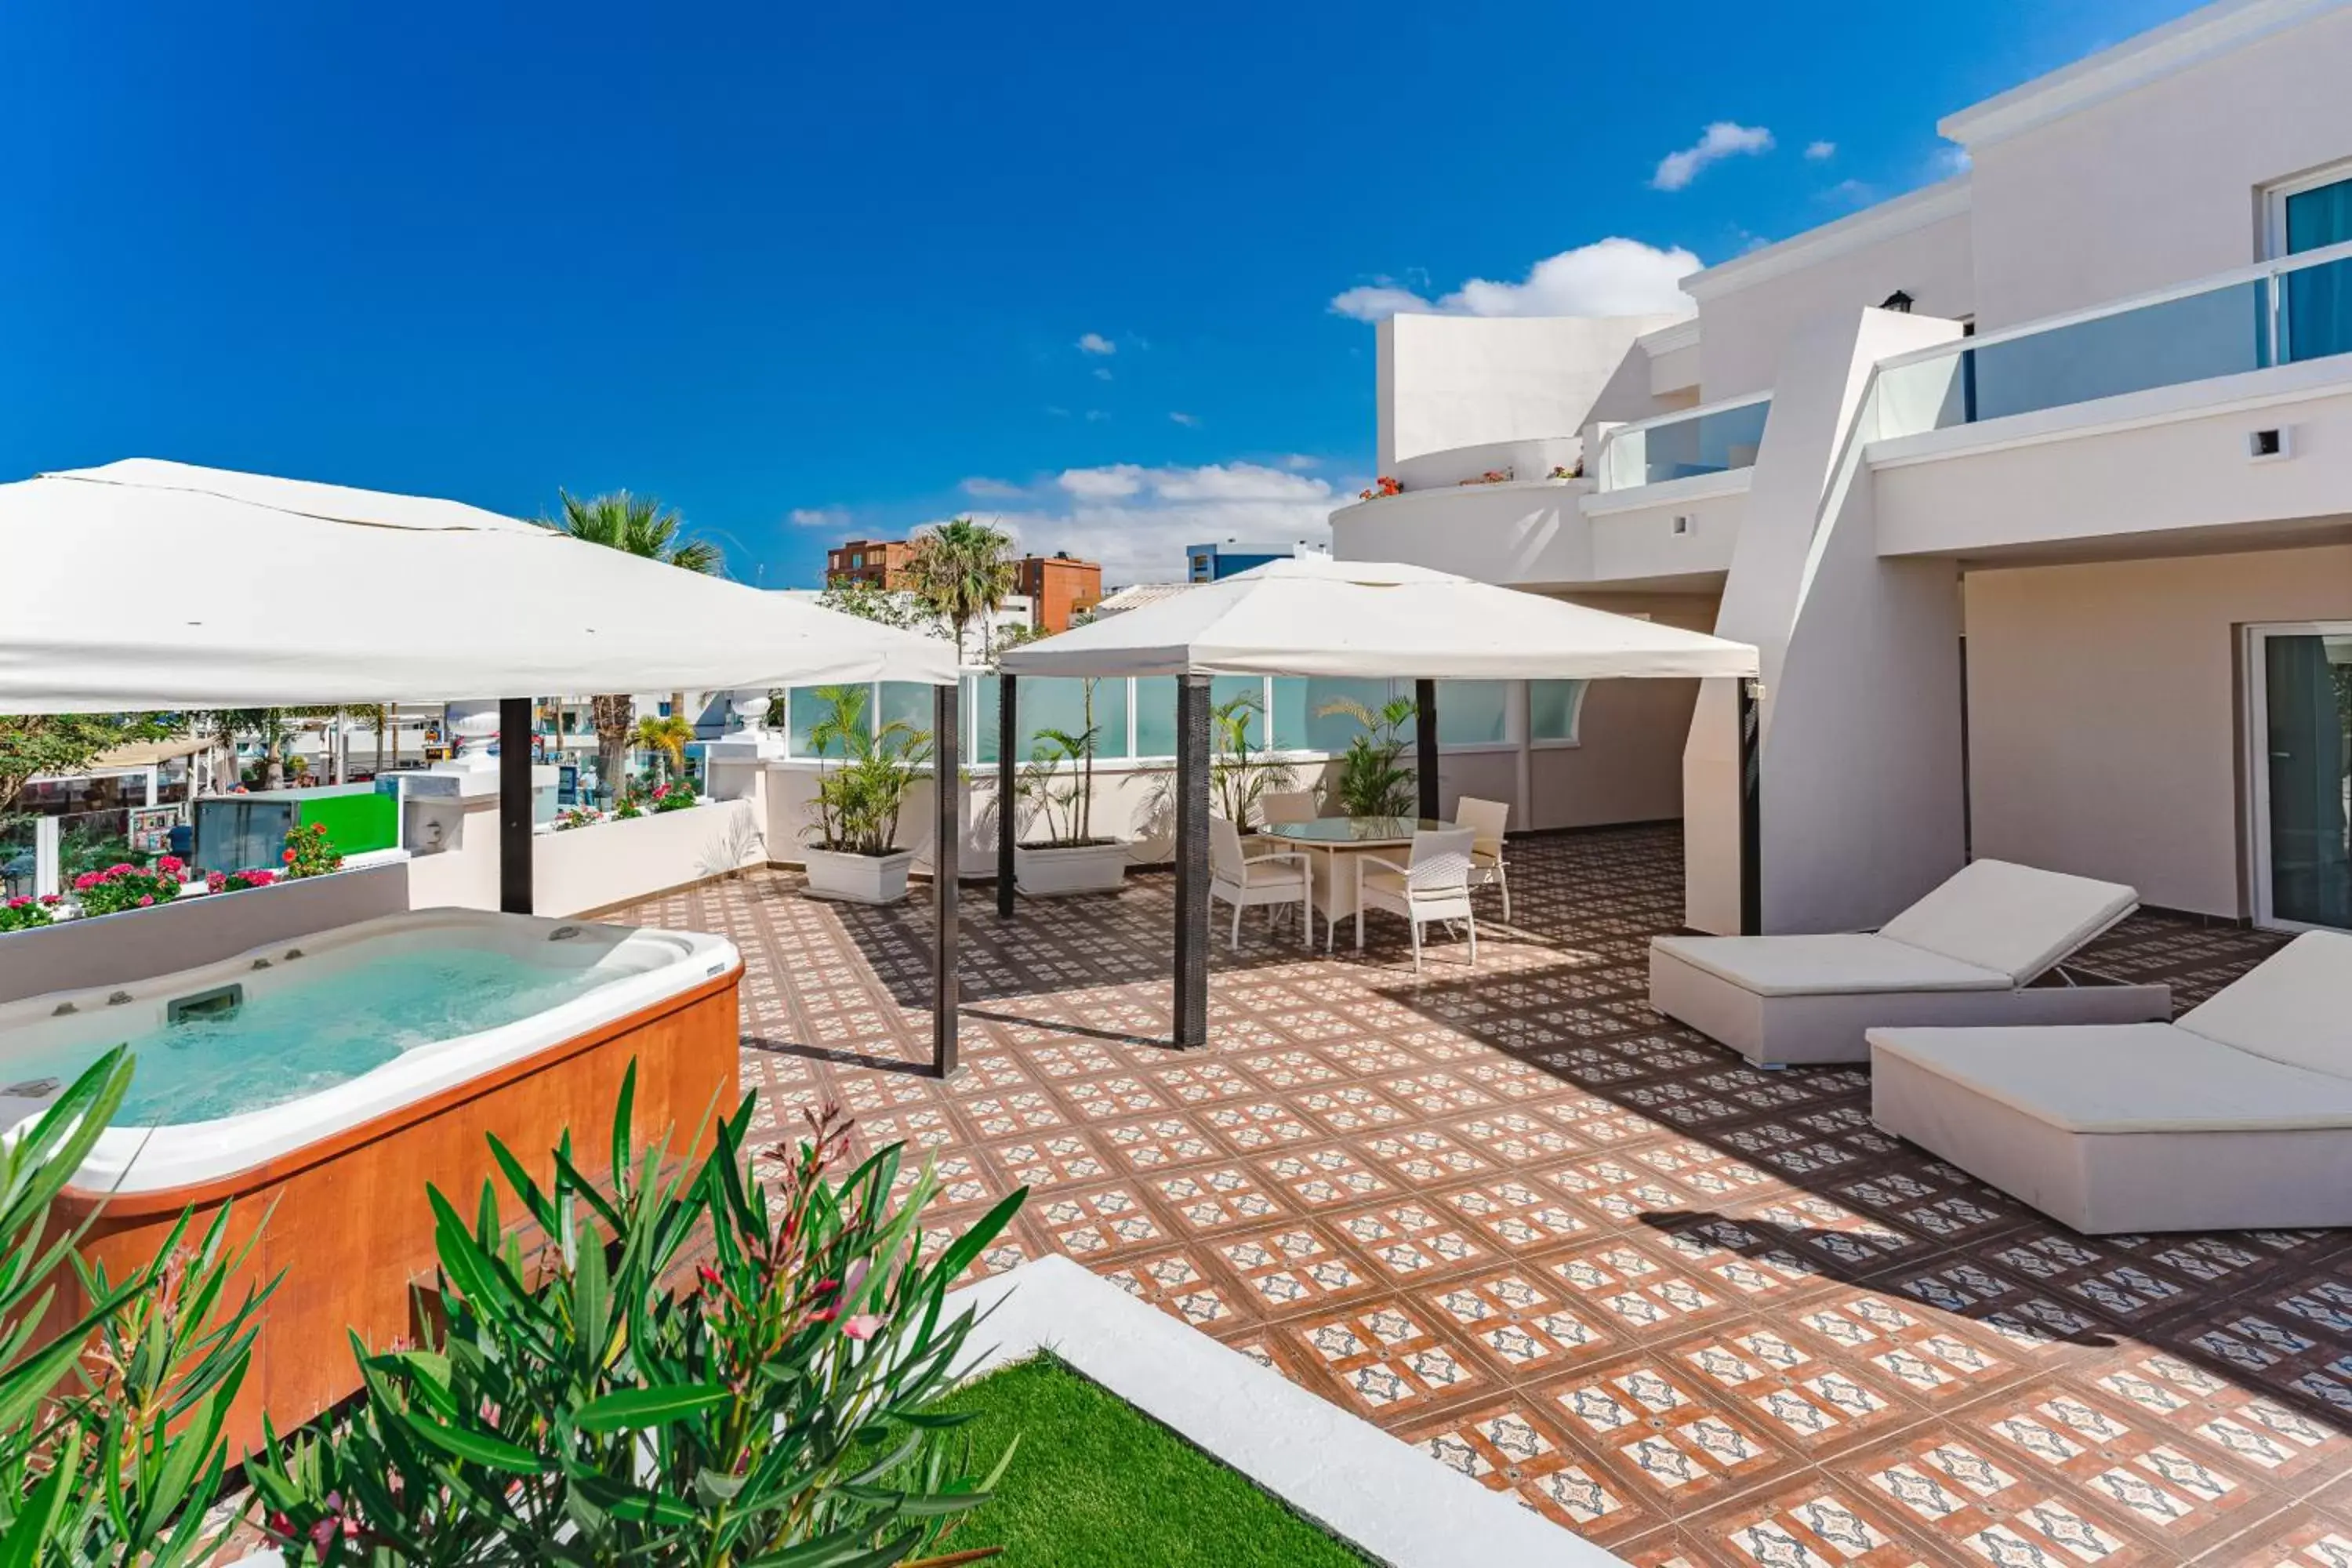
(637, 525)
(965, 571)
(670, 735)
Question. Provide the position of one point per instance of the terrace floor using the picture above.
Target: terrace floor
(1694, 1312)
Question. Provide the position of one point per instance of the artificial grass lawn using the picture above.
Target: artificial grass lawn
(1098, 1484)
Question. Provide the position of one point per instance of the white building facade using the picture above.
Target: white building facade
(2034, 487)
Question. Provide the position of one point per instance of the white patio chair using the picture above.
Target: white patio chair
(1278, 807)
(1244, 879)
(1287, 806)
(1433, 885)
(1487, 818)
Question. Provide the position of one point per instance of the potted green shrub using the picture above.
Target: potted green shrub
(1059, 786)
(854, 852)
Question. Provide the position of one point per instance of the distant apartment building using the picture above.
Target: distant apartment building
(1215, 563)
(2033, 486)
(881, 563)
(1061, 586)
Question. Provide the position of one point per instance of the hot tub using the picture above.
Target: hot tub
(335, 1075)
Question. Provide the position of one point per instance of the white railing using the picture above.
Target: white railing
(2275, 313)
(1713, 438)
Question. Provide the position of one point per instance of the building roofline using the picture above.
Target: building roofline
(2151, 57)
(1947, 198)
(1666, 340)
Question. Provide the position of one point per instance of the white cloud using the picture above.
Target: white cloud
(1096, 343)
(982, 487)
(1949, 161)
(1137, 521)
(1096, 416)
(1298, 460)
(1189, 421)
(1817, 151)
(1724, 138)
(1109, 482)
(1613, 277)
(1850, 193)
(1102, 372)
(818, 517)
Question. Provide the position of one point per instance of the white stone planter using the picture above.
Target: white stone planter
(1044, 871)
(858, 879)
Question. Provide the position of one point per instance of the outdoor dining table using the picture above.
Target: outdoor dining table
(1340, 839)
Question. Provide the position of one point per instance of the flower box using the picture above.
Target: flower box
(1049, 871)
(858, 879)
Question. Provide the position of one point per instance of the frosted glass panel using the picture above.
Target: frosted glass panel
(809, 709)
(1553, 709)
(1333, 732)
(1155, 716)
(1473, 712)
(1061, 704)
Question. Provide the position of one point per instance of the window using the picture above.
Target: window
(1554, 708)
(858, 562)
(2312, 213)
(1474, 713)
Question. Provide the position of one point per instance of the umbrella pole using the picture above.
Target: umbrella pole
(1751, 808)
(946, 841)
(1424, 736)
(1191, 1018)
(514, 806)
(1008, 731)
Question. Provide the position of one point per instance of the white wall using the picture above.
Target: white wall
(1627, 764)
(139, 944)
(1465, 381)
(584, 868)
(1862, 790)
(1745, 326)
(2103, 733)
(2156, 185)
(2149, 468)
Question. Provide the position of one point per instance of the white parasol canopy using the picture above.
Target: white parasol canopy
(261, 592)
(1316, 616)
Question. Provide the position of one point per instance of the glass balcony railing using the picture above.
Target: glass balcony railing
(2298, 308)
(1711, 440)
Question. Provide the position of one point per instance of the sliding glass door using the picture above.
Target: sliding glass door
(2299, 717)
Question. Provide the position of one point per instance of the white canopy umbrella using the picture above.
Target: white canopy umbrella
(261, 592)
(1317, 616)
(269, 592)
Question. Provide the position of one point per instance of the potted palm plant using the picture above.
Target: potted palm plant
(1241, 773)
(1059, 785)
(854, 851)
(1373, 780)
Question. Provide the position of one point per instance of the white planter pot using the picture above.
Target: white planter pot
(1047, 871)
(859, 878)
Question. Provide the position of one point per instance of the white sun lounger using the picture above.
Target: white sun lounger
(1983, 948)
(2237, 1117)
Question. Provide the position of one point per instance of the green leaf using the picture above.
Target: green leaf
(841, 1548)
(960, 1252)
(630, 1409)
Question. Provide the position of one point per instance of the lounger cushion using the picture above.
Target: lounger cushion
(2296, 1006)
(1998, 915)
(1827, 966)
(2124, 1078)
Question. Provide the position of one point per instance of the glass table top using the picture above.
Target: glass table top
(1355, 829)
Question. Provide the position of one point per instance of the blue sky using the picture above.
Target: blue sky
(807, 271)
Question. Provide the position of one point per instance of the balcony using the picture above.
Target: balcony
(1718, 439)
(2288, 312)
(2213, 413)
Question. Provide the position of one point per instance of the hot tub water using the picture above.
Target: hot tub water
(312, 1032)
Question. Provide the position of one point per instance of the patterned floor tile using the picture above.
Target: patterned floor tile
(1703, 1314)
